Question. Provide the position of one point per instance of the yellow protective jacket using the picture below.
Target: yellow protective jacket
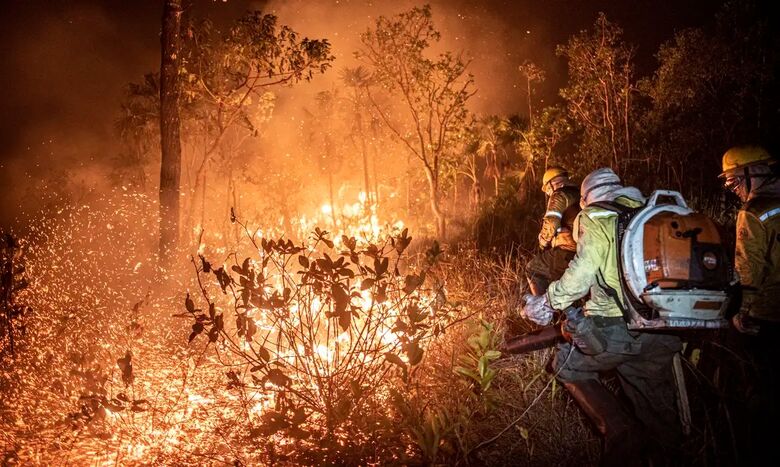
(594, 265)
(558, 223)
(757, 257)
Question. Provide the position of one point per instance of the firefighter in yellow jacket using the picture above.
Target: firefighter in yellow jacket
(556, 238)
(753, 175)
(642, 360)
(749, 171)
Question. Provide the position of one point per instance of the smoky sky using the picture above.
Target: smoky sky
(65, 64)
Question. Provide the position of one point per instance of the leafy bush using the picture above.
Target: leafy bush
(320, 335)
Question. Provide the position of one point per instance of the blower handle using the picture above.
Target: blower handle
(678, 198)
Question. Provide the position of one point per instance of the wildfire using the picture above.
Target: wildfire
(169, 407)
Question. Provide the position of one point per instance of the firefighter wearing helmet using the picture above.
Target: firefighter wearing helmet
(752, 174)
(749, 172)
(556, 238)
(642, 360)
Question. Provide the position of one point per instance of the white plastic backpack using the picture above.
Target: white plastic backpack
(673, 265)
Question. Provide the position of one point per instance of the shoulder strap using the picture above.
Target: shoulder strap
(625, 214)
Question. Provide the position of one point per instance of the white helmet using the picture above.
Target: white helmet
(596, 183)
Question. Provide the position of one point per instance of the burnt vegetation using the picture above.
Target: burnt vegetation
(301, 322)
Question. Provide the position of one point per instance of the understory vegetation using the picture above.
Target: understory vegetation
(357, 353)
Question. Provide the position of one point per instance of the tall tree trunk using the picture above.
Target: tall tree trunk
(433, 191)
(364, 151)
(170, 142)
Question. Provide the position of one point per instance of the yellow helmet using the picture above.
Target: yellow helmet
(740, 157)
(551, 173)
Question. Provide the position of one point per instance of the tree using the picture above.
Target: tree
(713, 88)
(539, 145)
(599, 95)
(139, 131)
(226, 83)
(170, 141)
(469, 167)
(496, 134)
(433, 93)
(322, 128)
(532, 74)
(231, 73)
(358, 79)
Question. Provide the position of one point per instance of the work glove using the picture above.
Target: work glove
(544, 243)
(745, 324)
(537, 309)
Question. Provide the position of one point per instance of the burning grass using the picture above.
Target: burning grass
(367, 349)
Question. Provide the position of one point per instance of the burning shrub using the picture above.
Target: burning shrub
(331, 351)
(313, 336)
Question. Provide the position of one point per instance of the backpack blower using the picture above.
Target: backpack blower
(673, 266)
(674, 271)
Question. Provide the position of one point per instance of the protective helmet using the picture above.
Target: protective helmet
(740, 157)
(599, 178)
(552, 173)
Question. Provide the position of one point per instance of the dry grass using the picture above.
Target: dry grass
(545, 427)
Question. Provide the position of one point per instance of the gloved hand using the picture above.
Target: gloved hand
(543, 242)
(537, 309)
(744, 324)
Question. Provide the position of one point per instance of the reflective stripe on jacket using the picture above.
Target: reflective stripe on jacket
(594, 264)
(558, 222)
(757, 257)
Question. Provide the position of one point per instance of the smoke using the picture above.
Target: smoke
(66, 75)
(66, 64)
(485, 32)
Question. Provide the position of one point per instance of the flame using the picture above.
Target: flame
(189, 401)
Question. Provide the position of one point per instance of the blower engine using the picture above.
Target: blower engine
(673, 265)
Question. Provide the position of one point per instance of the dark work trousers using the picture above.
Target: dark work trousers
(546, 267)
(643, 362)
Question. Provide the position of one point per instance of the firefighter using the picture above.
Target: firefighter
(749, 172)
(555, 238)
(643, 361)
(752, 174)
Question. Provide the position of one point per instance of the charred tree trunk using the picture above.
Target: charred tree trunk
(170, 142)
